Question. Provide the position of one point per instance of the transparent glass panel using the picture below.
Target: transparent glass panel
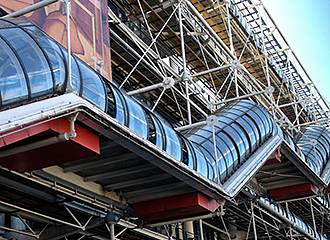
(12, 81)
(200, 161)
(260, 124)
(222, 167)
(191, 155)
(228, 150)
(211, 172)
(253, 122)
(137, 120)
(173, 146)
(93, 88)
(32, 58)
(237, 141)
(250, 133)
(53, 53)
(120, 106)
(243, 135)
(159, 133)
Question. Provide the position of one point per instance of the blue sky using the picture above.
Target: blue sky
(306, 26)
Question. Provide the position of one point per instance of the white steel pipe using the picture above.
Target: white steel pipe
(145, 89)
(244, 96)
(29, 9)
(68, 29)
(197, 124)
(212, 70)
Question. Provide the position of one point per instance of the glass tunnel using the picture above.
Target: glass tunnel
(34, 67)
(292, 218)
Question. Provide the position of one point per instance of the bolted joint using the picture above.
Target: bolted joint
(168, 82)
(112, 217)
(236, 64)
(270, 90)
(211, 120)
(186, 77)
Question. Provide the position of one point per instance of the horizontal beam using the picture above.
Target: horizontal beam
(29, 9)
(212, 70)
(102, 162)
(137, 181)
(164, 189)
(119, 173)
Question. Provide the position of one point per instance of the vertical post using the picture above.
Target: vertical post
(236, 82)
(68, 30)
(201, 233)
(230, 35)
(112, 231)
(189, 230)
(313, 217)
(254, 221)
(185, 76)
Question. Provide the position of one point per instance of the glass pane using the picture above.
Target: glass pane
(191, 155)
(249, 131)
(93, 88)
(222, 167)
(211, 172)
(12, 81)
(32, 58)
(228, 150)
(137, 120)
(265, 120)
(259, 124)
(120, 107)
(237, 141)
(159, 133)
(173, 146)
(53, 54)
(242, 133)
(200, 161)
(253, 122)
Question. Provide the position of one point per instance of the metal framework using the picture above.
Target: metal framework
(185, 59)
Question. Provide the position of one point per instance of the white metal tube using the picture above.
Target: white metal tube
(242, 97)
(112, 231)
(197, 124)
(192, 103)
(254, 222)
(68, 29)
(184, 63)
(229, 29)
(145, 89)
(201, 233)
(40, 215)
(29, 9)
(150, 46)
(212, 70)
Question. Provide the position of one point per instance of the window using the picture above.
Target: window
(12, 80)
(32, 59)
(137, 120)
(93, 88)
(53, 53)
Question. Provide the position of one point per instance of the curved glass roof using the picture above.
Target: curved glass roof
(240, 128)
(315, 144)
(32, 66)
